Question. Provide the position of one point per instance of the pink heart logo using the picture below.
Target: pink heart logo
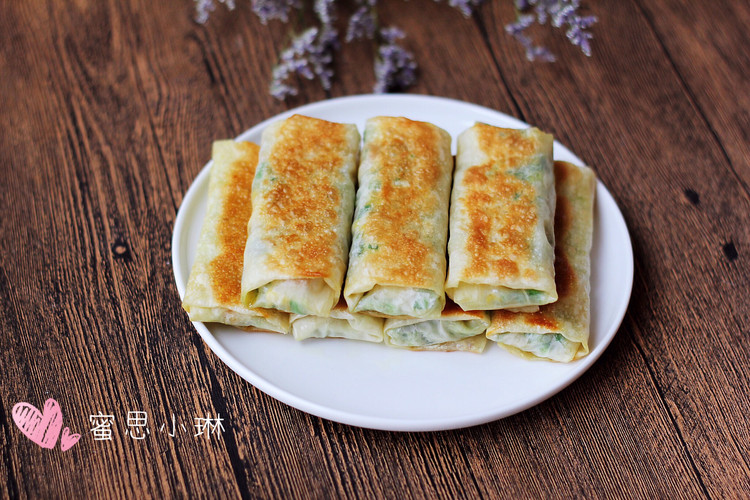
(42, 428)
(67, 440)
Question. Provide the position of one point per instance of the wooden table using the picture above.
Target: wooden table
(107, 113)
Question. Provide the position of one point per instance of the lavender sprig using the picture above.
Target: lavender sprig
(561, 13)
(203, 8)
(310, 53)
(274, 9)
(294, 60)
(395, 67)
(533, 52)
(364, 21)
(466, 7)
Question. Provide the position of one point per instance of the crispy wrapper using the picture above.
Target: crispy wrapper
(340, 323)
(303, 200)
(452, 326)
(559, 331)
(397, 259)
(213, 289)
(501, 247)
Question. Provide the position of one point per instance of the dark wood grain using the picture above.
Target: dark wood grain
(107, 112)
(692, 328)
(707, 46)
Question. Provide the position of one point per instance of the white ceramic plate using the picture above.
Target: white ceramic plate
(370, 385)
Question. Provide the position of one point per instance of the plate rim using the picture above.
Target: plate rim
(377, 422)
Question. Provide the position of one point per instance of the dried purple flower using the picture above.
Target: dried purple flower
(559, 13)
(533, 52)
(310, 54)
(295, 59)
(391, 34)
(325, 10)
(203, 8)
(274, 9)
(395, 67)
(465, 6)
(364, 21)
(523, 21)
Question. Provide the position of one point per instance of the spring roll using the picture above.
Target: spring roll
(501, 248)
(303, 199)
(452, 325)
(397, 259)
(340, 323)
(559, 331)
(213, 289)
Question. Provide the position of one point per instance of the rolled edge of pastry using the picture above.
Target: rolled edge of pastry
(474, 344)
(559, 331)
(453, 325)
(213, 290)
(303, 199)
(341, 323)
(501, 246)
(397, 258)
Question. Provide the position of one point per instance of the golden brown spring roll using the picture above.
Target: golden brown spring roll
(559, 331)
(397, 259)
(501, 247)
(303, 199)
(213, 289)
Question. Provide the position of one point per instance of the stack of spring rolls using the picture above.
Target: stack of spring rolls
(288, 247)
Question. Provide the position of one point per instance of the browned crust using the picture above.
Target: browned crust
(307, 158)
(409, 168)
(563, 211)
(541, 318)
(566, 279)
(487, 189)
(507, 146)
(565, 275)
(225, 269)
